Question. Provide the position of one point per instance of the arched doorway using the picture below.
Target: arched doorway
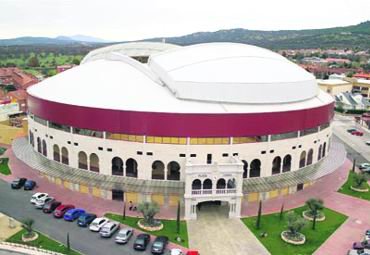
(65, 159)
(287, 163)
(56, 153)
(131, 168)
(196, 184)
(158, 170)
(319, 153)
(231, 183)
(309, 157)
(302, 159)
(173, 171)
(324, 150)
(276, 165)
(207, 184)
(221, 184)
(117, 166)
(255, 169)
(82, 160)
(245, 169)
(39, 149)
(32, 139)
(44, 148)
(94, 163)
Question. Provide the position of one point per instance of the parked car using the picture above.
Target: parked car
(367, 235)
(192, 252)
(85, 219)
(97, 224)
(141, 242)
(49, 207)
(367, 143)
(350, 130)
(159, 244)
(109, 229)
(36, 196)
(176, 251)
(364, 166)
(18, 183)
(73, 214)
(361, 245)
(358, 133)
(42, 201)
(29, 185)
(124, 235)
(359, 252)
(61, 210)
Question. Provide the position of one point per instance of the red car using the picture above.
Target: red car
(192, 252)
(358, 133)
(61, 210)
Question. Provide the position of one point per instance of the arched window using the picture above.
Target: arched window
(173, 171)
(245, 169)
(309, 157)
(302, 159)
(131, 168)
(65, 159)
(221, 184)
(44, 149)
(158, 170)
(117, 166)
(94, 162)
(287, 163)
(32, 139)
(56, 153)
(276, 165)
(39, 149)
(82, 160)
(196, 184)
(320, 153)
(231, 183)
(207, 184)
(324, 150)
(255, 169)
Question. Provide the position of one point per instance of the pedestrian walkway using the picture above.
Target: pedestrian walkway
(213, 233)
(8, 227)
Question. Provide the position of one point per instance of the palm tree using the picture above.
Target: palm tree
(359, 179)
(27, 225)
(295, 224)
(315, 206)
(149, 210)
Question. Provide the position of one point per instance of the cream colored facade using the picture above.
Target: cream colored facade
(335, 86)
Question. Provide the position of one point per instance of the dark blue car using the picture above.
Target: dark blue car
(73, 214)
(29, 185)
(85, 219)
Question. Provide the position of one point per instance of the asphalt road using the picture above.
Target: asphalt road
(16, 203)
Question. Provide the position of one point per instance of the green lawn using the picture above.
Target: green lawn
(314, 238)
(43, 242)
(4, 168)
(168, 230)
(346, 188)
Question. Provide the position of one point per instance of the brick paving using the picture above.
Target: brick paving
(92, 204)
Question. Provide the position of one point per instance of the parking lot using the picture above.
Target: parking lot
(17, 204)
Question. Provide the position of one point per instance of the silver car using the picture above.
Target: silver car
(109, 229)
(39, 204)
(124, 235)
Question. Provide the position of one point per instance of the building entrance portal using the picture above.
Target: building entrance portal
(221, 208)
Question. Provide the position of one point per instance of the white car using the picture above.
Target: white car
(364, 166)
(39, 204)
(97, 224)
(36, 196)
(176, 252)
(367, 142)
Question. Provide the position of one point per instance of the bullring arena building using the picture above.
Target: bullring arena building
(211, 122)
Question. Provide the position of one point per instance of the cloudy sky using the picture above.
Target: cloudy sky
(138, 19)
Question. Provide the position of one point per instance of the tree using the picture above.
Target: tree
(27, 225)
(354, 165)
(315, 206)
(33, 62)
(178, 218)
(295, 224)
(124, 210)
(76, 61)
(149, 210)
(258, 222)
(359, 179)
(281, 212)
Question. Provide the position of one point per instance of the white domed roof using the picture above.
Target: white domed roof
(133, 49)
(234, 73)
(208, 78)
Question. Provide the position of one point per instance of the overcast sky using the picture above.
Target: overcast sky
(138, 19)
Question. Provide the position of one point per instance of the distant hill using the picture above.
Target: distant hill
(340, 37)
(60, 40)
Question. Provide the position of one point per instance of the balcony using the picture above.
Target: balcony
(205, 192)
